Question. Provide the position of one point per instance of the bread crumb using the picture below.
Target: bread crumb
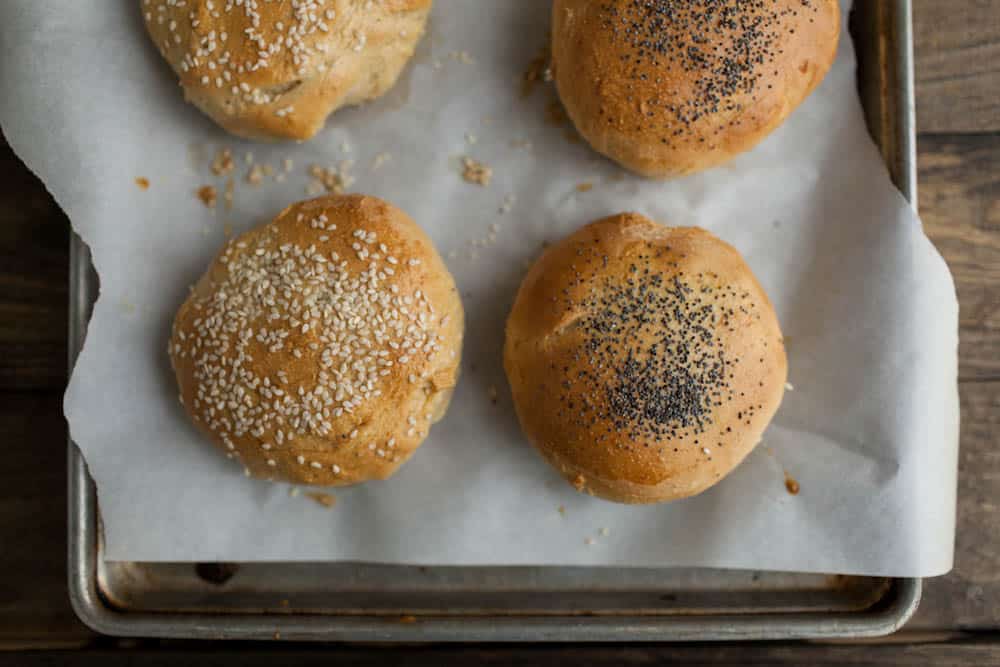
(475, 172)
(493, 394)
(562, 510)
(324, 499)
(293, 492)
(589, 541)
(580, 482)
(228, 193)
(789, 387)
(288, 164)
(584, 187)
(380, 160)
(207, 195)
(331, 179)
(255, 175)
(223, 163)
(142, 182)
(604, 532)
(523, 144)
(791, 485)
(537, 70)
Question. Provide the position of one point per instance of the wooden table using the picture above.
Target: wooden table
(958, 107)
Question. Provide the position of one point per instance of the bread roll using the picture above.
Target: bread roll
(277, 68)
(672, 87)
(319, 348)
(645, 362)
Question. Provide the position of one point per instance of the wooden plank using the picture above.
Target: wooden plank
(960, 206)
(969, 597)
(33, 280)
(33, 600)
(957, 46)
(958, 76)
(967, 652)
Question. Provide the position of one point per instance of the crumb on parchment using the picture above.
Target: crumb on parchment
(223, 163)
(476, 172)
(324, 499)
(537, 70)
(208, 195)
(331, 179)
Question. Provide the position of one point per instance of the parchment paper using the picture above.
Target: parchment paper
(868, 306)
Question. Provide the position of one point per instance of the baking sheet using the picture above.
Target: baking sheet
(870, 433)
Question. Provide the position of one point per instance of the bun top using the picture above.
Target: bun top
(645, 361)
(278, 68)
(673, 86)
(319, 348)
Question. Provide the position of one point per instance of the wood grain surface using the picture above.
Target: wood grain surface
(958, 75)
(957, 65)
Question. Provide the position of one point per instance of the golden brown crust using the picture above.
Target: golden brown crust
(672, 87)
(296, 319)
(301, 61)
(645, 361)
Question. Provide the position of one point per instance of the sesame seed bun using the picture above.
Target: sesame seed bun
(319, 348)
(645, 361)
(672, 87)
(266, 69)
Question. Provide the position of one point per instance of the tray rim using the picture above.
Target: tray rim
(893, 611)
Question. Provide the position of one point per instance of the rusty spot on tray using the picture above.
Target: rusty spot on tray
(142, 182)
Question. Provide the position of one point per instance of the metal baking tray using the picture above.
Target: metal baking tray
(367, 602)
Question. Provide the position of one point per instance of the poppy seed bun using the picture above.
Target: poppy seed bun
(645, 361)
(672, 87)
(319, 348)
(278, 68)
